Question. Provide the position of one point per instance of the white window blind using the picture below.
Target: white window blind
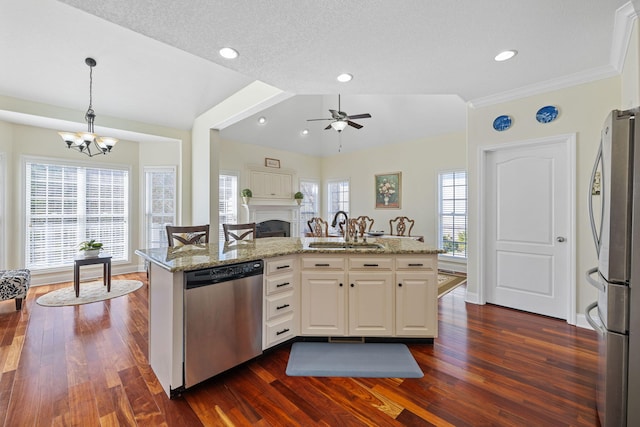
(68, 204)
(338, 199)
(160, 204)
(227, 202)
(310, 205)
(453, 213)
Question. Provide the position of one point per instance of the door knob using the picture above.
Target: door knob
(560, 239)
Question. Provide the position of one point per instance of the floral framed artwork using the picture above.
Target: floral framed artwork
(388, 190)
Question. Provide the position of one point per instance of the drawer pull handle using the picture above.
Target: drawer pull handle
(280, 267)
(340, 285)
(416, 265)
(353, 286)
(279, 285)
(399, 285)
(280, 307)
(323, 265)
(285, 330)
(370, 265)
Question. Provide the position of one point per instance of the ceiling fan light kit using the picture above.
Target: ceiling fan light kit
(341, 119)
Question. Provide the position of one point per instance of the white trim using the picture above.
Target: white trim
(575, 79)
(622, 28)
(145, 197)
(569, 142)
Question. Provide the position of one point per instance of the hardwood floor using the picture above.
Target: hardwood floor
(87, 366)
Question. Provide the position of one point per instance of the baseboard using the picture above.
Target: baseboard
(472, 297)
(581, 321)
(451, 266)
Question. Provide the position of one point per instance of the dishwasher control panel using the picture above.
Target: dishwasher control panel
(224, 273)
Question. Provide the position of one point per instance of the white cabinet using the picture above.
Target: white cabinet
(280, 309)
(323, 296)
(416, 297)
(370, 296)
(271, 185)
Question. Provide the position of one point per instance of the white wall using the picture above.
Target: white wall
(583, 109)
(420, 161)
(630, 88)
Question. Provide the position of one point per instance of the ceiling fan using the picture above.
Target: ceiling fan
(342, 119)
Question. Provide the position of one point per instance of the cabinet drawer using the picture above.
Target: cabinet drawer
(279, 283)
(417, 263)
(323, 263)
(280, 265)
(279, 330)
(278, 305)
(370, 263)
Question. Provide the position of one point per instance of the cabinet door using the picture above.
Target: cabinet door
(323, 303)
(370, 303)
(416, 304)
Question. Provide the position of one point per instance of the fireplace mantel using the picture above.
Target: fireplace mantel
(258, 211)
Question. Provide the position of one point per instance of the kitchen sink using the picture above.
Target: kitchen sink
(345, 245)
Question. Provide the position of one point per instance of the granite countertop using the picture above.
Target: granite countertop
(194, 257)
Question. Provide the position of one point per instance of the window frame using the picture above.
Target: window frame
(440, 214)
(77, 164)
(331, 214)
(315, 206)
(147, 199)
(236, 175)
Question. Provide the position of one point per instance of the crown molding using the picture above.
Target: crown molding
(624, 19)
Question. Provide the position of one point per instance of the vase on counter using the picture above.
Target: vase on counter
(245, 200)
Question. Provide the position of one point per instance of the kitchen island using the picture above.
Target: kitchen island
(312, 287)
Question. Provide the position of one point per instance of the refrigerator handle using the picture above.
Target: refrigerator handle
(595, 283)
(596, 233)
(590, 320)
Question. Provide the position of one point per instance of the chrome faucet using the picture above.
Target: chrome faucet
(346, 223)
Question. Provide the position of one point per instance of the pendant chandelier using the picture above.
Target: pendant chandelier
(84, 141)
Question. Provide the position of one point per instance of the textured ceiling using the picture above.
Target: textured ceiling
(416, 63)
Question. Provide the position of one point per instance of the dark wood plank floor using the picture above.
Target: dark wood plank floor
(490, 366)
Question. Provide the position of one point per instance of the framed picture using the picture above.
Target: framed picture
(271, 163)
(388, 188)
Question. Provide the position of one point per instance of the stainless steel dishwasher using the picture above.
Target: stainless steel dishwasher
(222, 319)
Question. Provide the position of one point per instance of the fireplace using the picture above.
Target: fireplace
(273, 228)
(274, 219)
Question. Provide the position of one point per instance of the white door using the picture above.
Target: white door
(527, 220)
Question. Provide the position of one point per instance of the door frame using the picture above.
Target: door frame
(568, 141)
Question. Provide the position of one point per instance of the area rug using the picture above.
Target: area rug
(365, 360)
(448, 282)
(89, 292)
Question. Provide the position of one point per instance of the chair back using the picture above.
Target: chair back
(319, 227)
(399, 226)
(187, 235)
(239, 231)
(360, 225)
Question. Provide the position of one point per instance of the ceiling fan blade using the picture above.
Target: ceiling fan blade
(353, 124)
(313, 120)
(328, 127)
(359, 116)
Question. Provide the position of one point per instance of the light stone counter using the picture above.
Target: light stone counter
(195, 257)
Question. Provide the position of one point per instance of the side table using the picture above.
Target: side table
(104, 259)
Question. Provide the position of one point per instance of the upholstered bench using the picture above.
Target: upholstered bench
(14, 284)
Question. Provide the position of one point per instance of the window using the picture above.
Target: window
(3, 212)
(310, 204)
(453, 213)
(227, 201)
(160, 204)
(338, 198)
(67, 204)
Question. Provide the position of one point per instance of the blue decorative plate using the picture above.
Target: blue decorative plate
(502, 123)
(547, 114)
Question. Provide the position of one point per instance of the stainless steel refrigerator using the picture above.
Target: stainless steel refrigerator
(614, 211)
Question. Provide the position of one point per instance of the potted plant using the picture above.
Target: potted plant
(298, 196)
(246, 195)
(90, 248)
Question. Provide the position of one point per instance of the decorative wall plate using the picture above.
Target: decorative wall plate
(547, 114)
(502, 123)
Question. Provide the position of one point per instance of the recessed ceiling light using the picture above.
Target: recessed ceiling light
(305, 132)
(344, 77)
(262, 120)
(228, 53)
(505, 55)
